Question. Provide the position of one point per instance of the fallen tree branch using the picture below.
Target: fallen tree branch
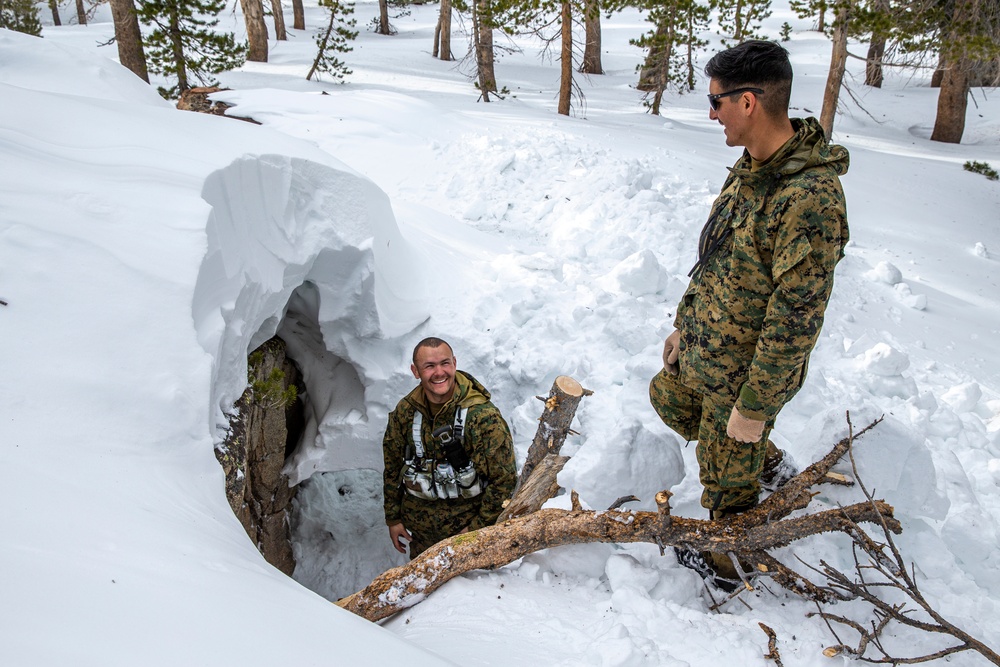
(885, 569)
(772, 645)
(495, 546)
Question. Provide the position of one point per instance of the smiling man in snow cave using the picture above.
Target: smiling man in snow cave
(752, 313)
(449, 458)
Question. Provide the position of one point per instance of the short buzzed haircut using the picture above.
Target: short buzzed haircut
(430, 341)
(756, 63)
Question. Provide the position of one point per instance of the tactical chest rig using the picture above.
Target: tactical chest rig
(429, 479)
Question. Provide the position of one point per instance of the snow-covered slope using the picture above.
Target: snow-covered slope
(143, 251)
(119, 547)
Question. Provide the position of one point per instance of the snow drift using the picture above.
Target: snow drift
(122, 220)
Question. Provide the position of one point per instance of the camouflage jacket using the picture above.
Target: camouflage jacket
(487, 442)
(755, 305)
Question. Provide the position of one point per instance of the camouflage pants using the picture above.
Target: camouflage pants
(430, 521)
(729, 470)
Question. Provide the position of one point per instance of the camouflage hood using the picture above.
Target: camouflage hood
(807, 148)
(469, 392)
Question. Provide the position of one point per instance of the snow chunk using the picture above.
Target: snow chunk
(885, 272)
(893, 459)
(883, 359)
(909, 299)
(981, 251)
(638, 274)
(963, 397)
(624, 571)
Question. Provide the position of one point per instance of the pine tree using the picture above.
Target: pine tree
(183, 42)
(741, 19)
(806, 9)
(20, 15)
(671, 45)
(334, 39)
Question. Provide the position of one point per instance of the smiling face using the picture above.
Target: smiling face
(732, 114)
(435, 368)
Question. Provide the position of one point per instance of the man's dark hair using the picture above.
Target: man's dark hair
(759, 64)
(430, 341)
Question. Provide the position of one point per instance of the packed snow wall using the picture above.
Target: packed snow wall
(312, 253)
(318, 244)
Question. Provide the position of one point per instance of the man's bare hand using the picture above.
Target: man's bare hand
(396, 531)
(744, 429)
(671, 347)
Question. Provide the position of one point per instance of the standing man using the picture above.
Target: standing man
(449, 458)
(754, 308)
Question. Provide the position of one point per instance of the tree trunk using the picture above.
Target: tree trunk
(650, 71)
(541, 486)
(129, 38)
(482, 44)
(177, 48)
(873, 68)
(298, 15)
(322, 46)
(436, 49)
(953, 99)
(54, 6)
(279, 20)
(444, 20)
(838, 62)
(592, 49)
(566, 58)
(554, 424)
(691, 79)
(383, 18)
(738, 21)
(876, 50)
(938, 74)
(253, 15)
(553, 427)
(81, 13)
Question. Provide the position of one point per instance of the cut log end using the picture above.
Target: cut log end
(569, 386)
(663, 502)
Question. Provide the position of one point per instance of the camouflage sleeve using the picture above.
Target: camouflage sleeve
(809, 243)
(492, 451)
(393, 451)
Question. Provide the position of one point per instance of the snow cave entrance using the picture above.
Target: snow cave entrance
(337, 527)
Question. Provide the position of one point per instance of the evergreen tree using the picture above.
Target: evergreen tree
(20, 15)
(183, 42)
(806, 9)
(741, 19)
(334, 39)
(671, 45)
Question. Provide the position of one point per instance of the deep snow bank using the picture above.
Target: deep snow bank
(281, 226)
(119, 547)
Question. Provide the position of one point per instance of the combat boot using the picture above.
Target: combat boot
(726, 577)
(778, 468)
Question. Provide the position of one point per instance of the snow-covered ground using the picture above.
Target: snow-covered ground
(144, 251)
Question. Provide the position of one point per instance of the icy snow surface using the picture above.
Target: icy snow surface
(144, 251)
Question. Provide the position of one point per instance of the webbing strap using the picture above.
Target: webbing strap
(418, 443)
(458, 429)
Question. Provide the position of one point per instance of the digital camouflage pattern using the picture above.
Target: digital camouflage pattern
(755, 305)
(729, 471)
(753, 311)
(488, 444)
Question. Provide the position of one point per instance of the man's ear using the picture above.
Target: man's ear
(413, 369)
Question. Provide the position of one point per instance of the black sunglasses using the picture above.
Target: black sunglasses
(714, 100)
